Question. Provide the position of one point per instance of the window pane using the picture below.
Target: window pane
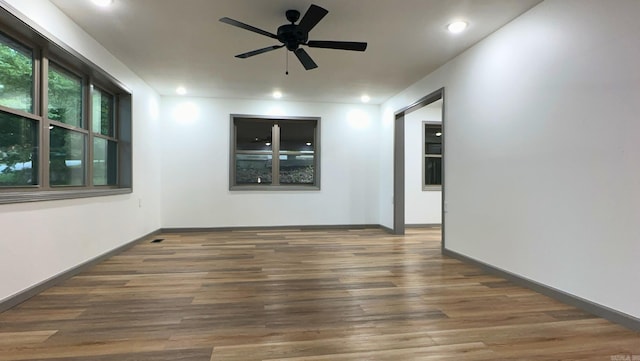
(296, 169)
(16, 75)
(66, 158)
(432, 139)
(297, 149)
(18, 151)
(65, 97)
(253, 134)
(102, 105)
(432, 171)
(297, 135)
(105, 162)
(432, 148)
(253, 168)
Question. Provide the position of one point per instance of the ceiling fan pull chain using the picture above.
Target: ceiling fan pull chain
(287, 62)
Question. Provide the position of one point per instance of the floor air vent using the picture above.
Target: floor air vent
(157, 240)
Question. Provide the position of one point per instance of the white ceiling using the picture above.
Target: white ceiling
(181, 42)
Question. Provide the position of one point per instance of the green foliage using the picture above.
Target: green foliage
(18, 144)
(65, 98)
(16, 68)
(102, 113)
(16, 77)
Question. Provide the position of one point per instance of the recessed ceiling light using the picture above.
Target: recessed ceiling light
(277, 94)
(457, 27)
(267, 144)
(181, 90)
(308, 143)
(365, 98)
(103, 3)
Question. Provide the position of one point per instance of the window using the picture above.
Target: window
(16, 75)
(18, 151)
(19, 136)
(67, 139)
(67, 164)
(105, 144)
(65, 96)
(65, 127)
(432, 156)
(274, 153)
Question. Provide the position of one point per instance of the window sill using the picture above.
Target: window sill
(431, 188)
(39, 196)
(270, 188)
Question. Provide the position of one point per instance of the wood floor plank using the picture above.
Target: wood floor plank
(463, 352)
(25, 337)
(332, 346)
(291, 295)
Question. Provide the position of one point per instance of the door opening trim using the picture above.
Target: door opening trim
(399, 164)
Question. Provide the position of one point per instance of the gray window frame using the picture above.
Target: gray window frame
(275, 155)
(428, 187)
(47, 49)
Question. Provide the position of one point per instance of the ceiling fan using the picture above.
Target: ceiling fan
(294, 35)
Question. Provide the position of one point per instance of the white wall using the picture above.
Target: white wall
(196, 167)
(542, 149)
(42, 239)
(421, 206)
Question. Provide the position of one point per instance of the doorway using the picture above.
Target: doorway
(399, 171)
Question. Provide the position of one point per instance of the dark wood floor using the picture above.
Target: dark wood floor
(300, 295)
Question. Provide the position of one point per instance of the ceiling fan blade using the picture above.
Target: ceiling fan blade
(341, 45)
(305, 59)
(259, 51)
(247, 27)
(312, 17)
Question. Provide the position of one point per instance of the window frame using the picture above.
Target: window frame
(429, 187)
(275, 152)
(47, 49)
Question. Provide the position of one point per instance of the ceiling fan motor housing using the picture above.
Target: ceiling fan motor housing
(292, 36)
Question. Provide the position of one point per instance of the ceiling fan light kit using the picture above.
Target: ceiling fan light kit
(293, 35)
